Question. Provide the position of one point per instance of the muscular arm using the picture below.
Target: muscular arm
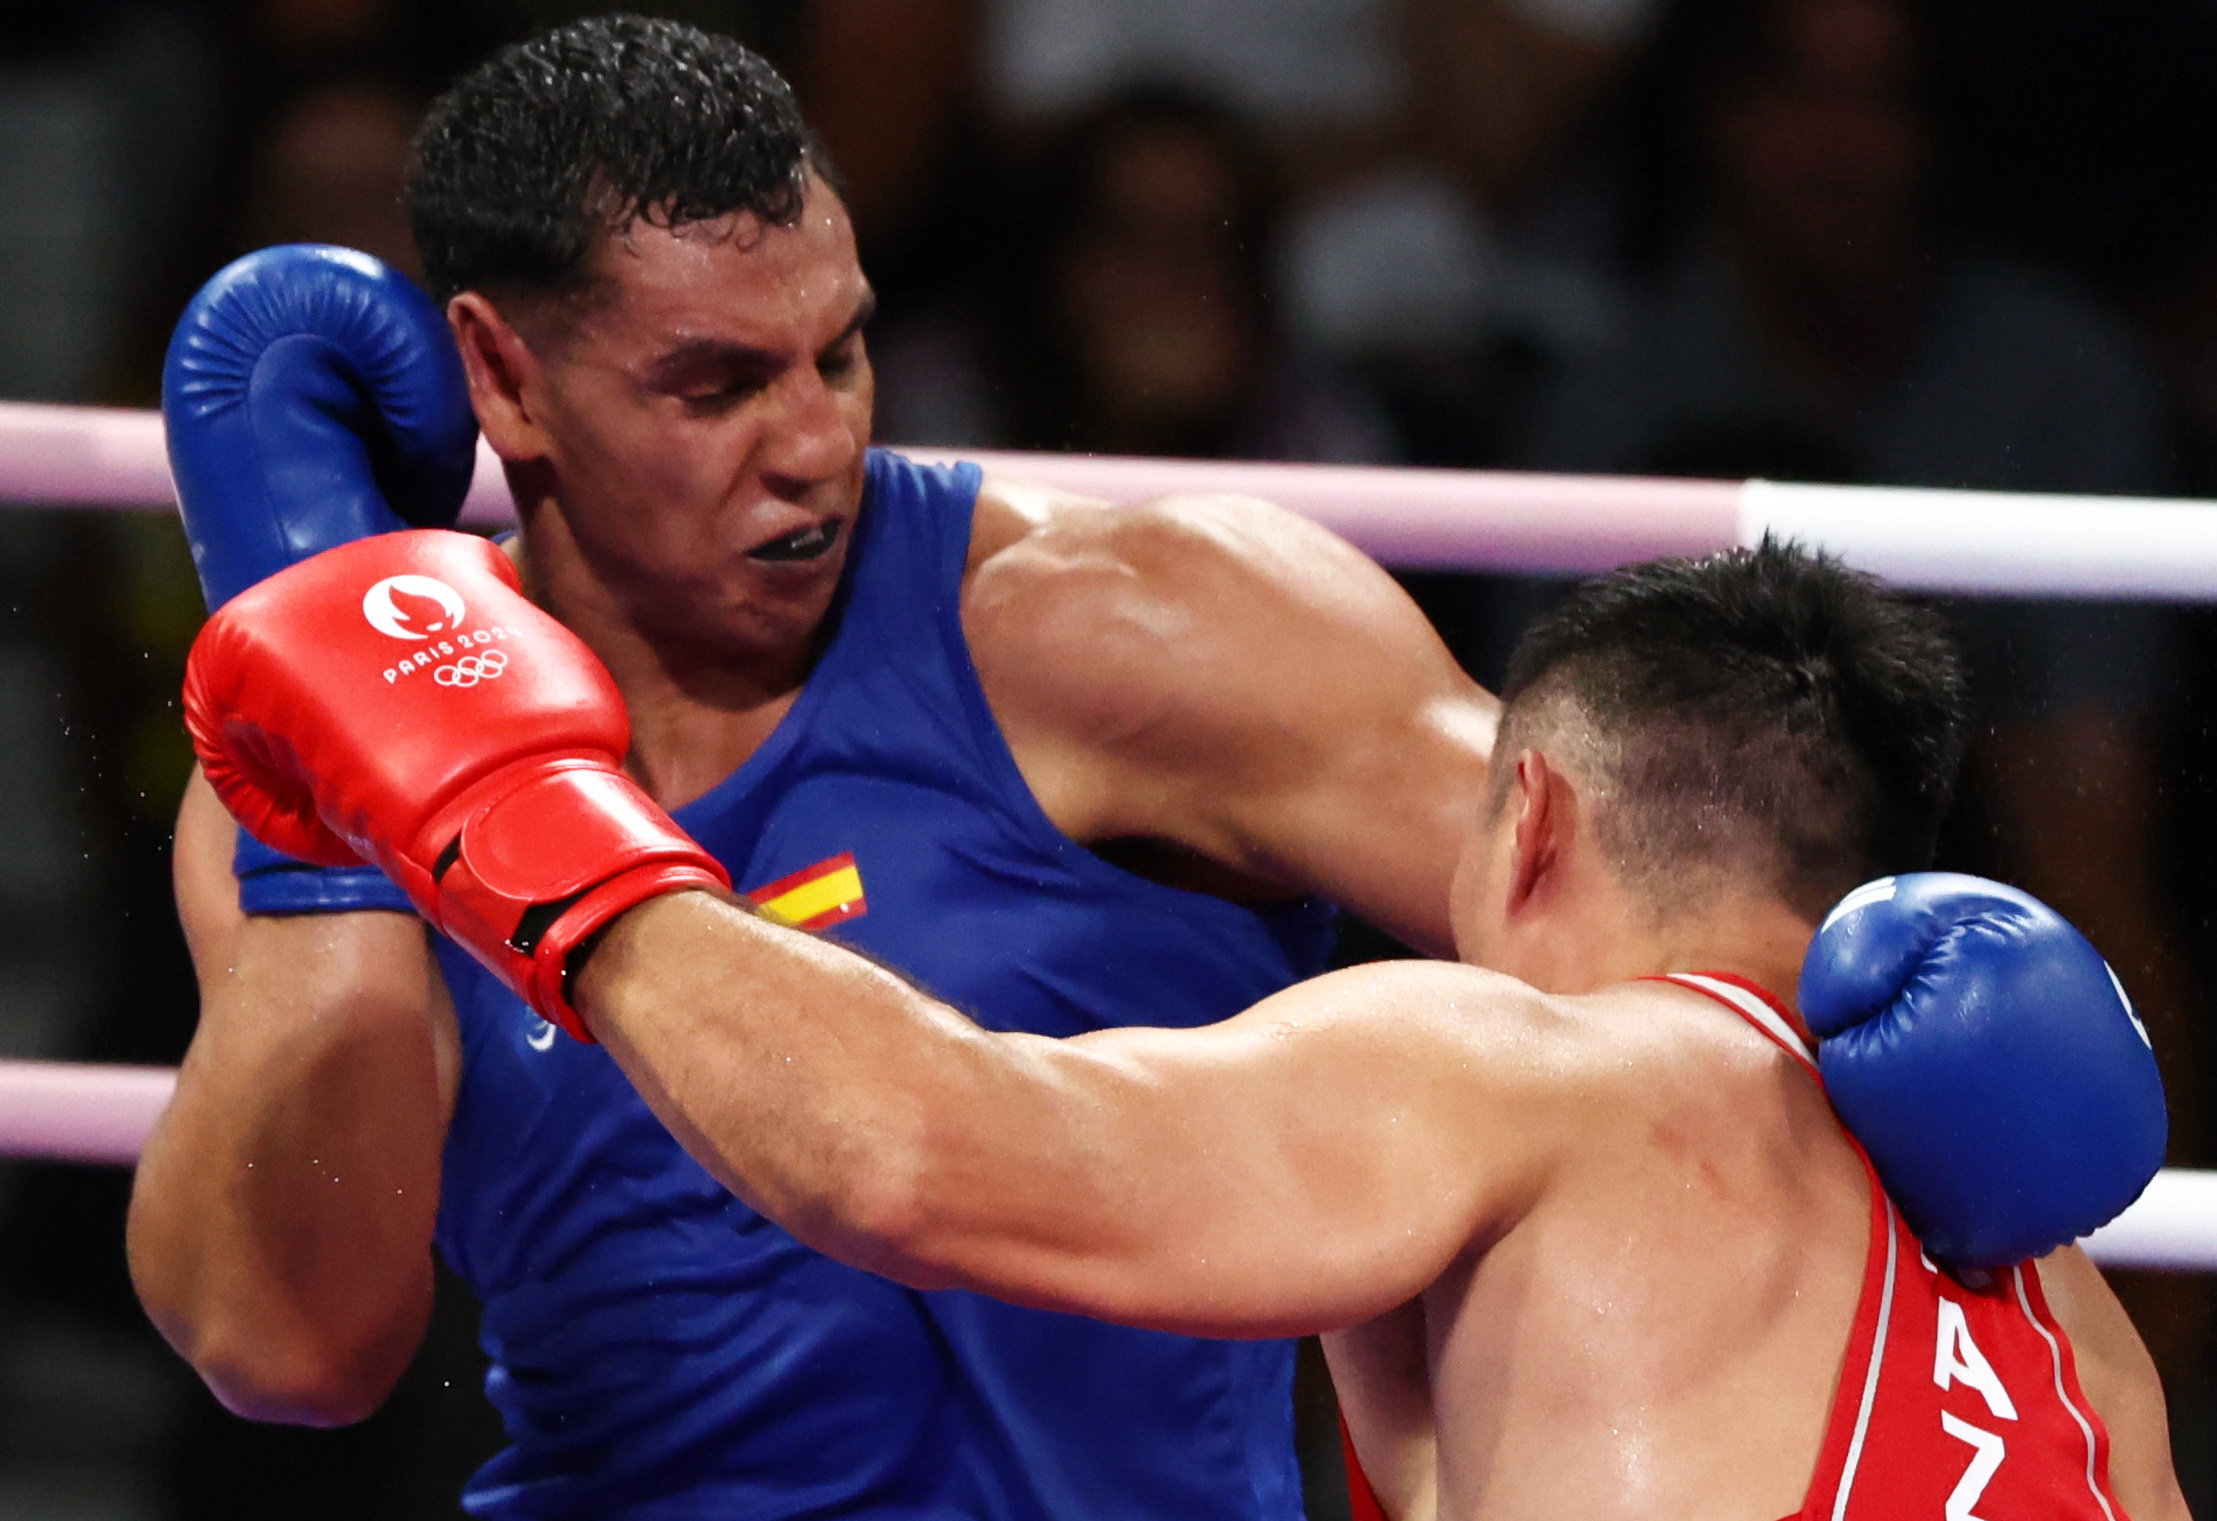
(1282, 1172)
(280, 1226)
(1222, 675)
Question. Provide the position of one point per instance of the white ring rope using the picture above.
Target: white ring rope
(1944, 541)
(2173, 1225)
(1959, 541)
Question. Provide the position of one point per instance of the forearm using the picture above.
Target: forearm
(1228, 1181)
(812, 1083)
(281, 1221)
(885, 1129)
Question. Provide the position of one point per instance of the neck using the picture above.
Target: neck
(1762, 941)
(697, 710)
(1747, 935)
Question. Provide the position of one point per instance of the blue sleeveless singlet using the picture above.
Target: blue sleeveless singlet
(659, 1350)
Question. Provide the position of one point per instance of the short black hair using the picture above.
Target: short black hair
(1759, 710)
(554, 142)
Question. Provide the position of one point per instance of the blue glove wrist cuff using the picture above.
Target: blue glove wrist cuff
(271, 882)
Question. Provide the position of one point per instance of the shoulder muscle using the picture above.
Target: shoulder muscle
(1170, 603)
(1226, 674)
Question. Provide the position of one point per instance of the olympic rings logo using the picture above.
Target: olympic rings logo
(472, 669)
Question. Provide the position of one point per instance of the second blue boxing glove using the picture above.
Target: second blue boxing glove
(1989, 1061)
(312, 396)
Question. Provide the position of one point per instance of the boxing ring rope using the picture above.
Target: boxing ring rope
(80, 1111)
(1990, 543)
(1982, 542)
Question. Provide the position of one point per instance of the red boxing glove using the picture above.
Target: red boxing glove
(398, 700)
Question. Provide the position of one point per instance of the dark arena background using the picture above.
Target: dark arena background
(1951, 243)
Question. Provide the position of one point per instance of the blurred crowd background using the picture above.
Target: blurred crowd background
(1966, 243)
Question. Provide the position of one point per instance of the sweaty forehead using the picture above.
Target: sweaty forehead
(735, 279)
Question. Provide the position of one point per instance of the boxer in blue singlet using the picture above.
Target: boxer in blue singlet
(583, 1237)
(1067, 765)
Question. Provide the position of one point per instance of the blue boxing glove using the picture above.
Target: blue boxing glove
(1988, 1060)
(312, 396)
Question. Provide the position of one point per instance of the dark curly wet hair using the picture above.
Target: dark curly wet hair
(552, 143)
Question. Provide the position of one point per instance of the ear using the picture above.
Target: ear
(504, 375)
(1544, 806)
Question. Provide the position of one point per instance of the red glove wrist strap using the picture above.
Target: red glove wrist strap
(549, 990)
(530, 861)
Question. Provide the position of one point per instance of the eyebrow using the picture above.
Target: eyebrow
(864, 310)
(697, 354)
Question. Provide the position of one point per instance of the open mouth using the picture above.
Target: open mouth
(801, 544)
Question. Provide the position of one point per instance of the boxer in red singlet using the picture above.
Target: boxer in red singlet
(1584, 1241)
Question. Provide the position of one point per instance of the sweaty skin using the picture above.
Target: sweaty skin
(1209, 691)
(1593, 1246)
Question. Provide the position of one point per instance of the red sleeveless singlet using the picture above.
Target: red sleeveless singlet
(1955, 1402)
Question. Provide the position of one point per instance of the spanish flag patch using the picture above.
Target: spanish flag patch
(816, 897)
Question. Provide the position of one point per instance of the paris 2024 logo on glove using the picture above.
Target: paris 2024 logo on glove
(409, 619)
(381, 605)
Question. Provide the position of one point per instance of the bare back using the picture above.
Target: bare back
(1661, 1333)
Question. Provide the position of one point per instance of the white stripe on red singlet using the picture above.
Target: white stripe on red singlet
(2055, 1362)
(1870, 1376)
(1757, 1012)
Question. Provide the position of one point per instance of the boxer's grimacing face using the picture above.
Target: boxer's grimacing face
(706, 411)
